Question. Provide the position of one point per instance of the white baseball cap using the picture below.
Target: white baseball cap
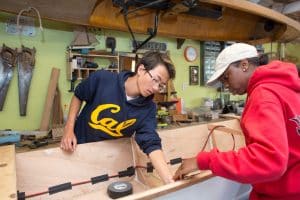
(233, 53)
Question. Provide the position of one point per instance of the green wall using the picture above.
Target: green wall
(291, 51)
(52, 53)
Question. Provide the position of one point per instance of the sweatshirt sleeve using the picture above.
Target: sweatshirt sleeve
(266, 155)
(87, 88)
(146, 136)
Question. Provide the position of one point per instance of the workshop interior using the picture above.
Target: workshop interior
(48, 48)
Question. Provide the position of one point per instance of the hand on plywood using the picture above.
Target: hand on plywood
(187, 166)
(68, 141)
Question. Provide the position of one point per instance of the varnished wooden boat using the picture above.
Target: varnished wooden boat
(219, 20)
(34, 172)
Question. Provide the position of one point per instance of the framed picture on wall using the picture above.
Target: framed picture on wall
(194, 75)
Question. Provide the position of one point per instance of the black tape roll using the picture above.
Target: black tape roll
(119, 189)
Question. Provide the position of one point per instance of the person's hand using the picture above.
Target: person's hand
(187, 166)
(68, 141)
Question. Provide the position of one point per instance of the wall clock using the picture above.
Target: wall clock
(190, 54)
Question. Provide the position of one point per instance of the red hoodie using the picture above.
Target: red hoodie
(271, 124)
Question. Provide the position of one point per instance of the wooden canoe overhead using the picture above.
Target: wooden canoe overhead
(218, 20)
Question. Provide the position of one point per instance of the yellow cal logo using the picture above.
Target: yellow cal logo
(109, 125)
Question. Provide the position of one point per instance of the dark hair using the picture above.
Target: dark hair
(262, 59)
(153, 58)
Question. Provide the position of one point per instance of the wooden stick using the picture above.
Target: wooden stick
(44, 126)
(166, 189)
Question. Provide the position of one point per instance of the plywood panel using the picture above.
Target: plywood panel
(8, 172)
(38, 170)
(186, 142)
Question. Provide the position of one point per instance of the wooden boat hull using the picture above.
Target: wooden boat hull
(38, 170)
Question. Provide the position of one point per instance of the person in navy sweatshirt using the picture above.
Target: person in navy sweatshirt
(118, 105)
(270, 161)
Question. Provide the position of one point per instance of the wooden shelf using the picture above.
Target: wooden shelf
(76, 62)
(96, 55)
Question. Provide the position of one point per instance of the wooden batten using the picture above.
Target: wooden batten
(165, 189)
(44, 126)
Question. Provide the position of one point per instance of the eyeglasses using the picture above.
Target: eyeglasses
(161, 86)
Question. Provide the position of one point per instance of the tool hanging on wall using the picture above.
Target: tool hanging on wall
(110, 42)
(39, 18)
(26, 62)
(83, 37)
(7, 64)
(73, 80)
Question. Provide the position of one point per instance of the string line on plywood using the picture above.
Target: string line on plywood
(130, 171)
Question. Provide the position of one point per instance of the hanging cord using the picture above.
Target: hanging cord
(39, 18)
(205, 144)
(211, 132)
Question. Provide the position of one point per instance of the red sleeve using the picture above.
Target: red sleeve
(266, 155)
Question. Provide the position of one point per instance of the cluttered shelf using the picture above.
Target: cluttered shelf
(81, 62)
(100, 54)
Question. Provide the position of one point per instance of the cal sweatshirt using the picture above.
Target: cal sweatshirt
(270, 161)
(108, 115)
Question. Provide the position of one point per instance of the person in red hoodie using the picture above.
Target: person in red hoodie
(270, 161)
